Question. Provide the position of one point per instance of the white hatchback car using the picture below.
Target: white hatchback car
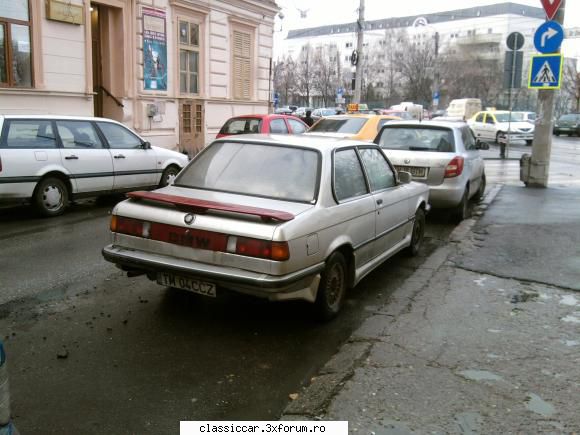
(49, 160)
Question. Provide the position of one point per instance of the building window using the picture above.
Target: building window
(188, 57)
(242, 49)
(15, 44)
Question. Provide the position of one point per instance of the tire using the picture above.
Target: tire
(529, 142)
(417, 234)
(50, 197)
(481, 191)
(557, 134)
(332, 287)
(168, 175)
(461, 211)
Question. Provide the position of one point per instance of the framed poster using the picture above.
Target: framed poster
(154, 50)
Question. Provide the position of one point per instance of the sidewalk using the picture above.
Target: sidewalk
(483, 338)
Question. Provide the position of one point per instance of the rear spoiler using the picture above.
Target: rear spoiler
(200, 206)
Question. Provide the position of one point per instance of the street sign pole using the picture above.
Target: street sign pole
(542, 145)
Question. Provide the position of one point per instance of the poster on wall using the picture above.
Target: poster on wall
(154, 50)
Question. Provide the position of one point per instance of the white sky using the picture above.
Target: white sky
(322, 12)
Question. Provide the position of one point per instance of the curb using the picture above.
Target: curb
(314, 399)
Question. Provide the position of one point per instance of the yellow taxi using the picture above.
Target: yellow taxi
(359, 126)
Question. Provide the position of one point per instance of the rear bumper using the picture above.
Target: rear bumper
(302, 284)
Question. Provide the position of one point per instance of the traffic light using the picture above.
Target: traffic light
(353, 81)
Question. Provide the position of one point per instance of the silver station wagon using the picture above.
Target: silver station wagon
(278, 217)
(48, 160)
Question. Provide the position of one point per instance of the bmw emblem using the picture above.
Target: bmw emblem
(407, 161)
(189, 219)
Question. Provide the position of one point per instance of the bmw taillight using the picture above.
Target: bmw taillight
(277, 251)
(200, 239)
(454, 167)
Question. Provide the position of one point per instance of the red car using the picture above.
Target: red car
(276, 124)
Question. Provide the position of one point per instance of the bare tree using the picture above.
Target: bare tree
(305, 73)
(326, 67)
(285, 79)
(384, 69)
(417, 61)
(470, 74)
(569, 97)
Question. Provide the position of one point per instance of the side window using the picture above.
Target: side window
(468, 139)
(479, 118)
(380, 174)
(489, 119)
(78, 134)
(119, 137)
(297, 127)
(278, 126)
(29, 134)
(349, 181)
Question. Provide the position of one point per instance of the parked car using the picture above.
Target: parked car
(443, 155)
(438, 113)
(355, 126)
(527, 116)
(398, 113)
(567, 124)
(278, 217)
(51, 160)
(285, 110)
(323, 112)
(498, 124)
(301, 111)
(248, 124)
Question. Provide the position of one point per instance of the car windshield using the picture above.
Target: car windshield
(570, 117)
(417, 138)
(505, 117)
(242, 126)
(339, 125)
(271, 171)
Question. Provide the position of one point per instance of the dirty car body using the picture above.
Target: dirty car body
(262, 214)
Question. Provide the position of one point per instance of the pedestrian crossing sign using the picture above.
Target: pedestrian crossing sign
(545, 72)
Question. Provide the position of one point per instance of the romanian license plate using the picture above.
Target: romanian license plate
(415, 171)
(192, 285)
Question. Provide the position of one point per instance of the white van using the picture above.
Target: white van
(464, 108)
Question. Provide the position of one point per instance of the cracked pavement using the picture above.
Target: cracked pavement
(478, 340)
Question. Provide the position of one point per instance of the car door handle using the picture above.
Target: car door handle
(73, 157)
(119, 156)
(379, 201)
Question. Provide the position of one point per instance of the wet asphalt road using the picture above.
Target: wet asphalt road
(91, 350)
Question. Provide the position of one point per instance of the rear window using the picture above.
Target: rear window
(570, 117)
(270, 171)
(242, 126)
(29, 134)
(417, 138)
(339, 125)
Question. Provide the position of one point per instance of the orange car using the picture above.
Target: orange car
(353, 126)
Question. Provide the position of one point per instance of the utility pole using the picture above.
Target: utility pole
(542, 146)
(359, 49)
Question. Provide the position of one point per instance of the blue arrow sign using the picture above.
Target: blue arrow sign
(545, 72)
(549, 37)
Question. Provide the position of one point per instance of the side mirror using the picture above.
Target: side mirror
(146, 145)
(405, 177)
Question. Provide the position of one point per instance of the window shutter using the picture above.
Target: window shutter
(242, 65)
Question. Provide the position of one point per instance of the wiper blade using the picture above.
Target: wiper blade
(419, 149)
